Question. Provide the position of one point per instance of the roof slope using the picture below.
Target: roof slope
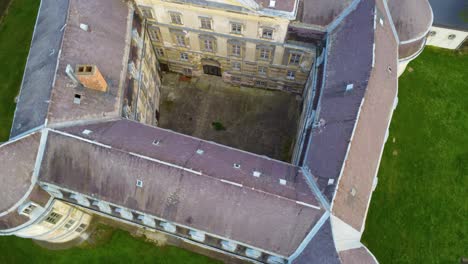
(17, 160)
(321, 249)
(221, 200)
(367, 144)
(33, 101)
(349, 61)
(322, 12)
(104, 45)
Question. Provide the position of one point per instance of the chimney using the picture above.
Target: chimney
(91, 77)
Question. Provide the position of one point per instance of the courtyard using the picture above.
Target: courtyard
(255, 120)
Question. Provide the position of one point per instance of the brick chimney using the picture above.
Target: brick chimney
(91, 77)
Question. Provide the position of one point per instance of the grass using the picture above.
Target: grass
(15, 34)
(419, 211)
(116, 246)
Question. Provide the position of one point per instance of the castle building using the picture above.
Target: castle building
(85, 141)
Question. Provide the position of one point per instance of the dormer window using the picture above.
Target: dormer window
(28, 209)
(272, 3)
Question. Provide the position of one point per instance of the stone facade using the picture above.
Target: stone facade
(243, 47)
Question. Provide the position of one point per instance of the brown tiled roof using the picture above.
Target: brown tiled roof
(412, 18)
(104, 45)
(203, 191)
(17, 160)
(357, 256)
(322, 12)
(366, 146)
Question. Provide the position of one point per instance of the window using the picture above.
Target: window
(291, 75)
(81, 228)
(77, 99)
(236, 28)
(160, 52)
(262, 70)
(236, 49)
(260, 83)
(69, 223)
(264, 54)
(184, 56)
(205, 22)
(147, 12)
(180, 40)
(267, 33)
(53, 218)
(236, 66)
(295, 58)
(188, 71)
(139, 183)
(29, 209)
(176, 18)
(272, 3)
(208, 44)
(154, 33)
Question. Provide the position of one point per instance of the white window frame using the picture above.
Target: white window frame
(184, 56)
(208, 44)
(236, 28)
(264, 54)
(235, 64)
(176, 18)
(262, 70)
(267, 33)
(294, 58)
(236, 50)
(291, 75)
(180, 40)
(206, 23)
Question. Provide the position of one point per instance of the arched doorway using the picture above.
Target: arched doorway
(211, 67)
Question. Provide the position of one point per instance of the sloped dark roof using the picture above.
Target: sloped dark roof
(33, 102)
(349, 61)
(203, 191)
(450, 13)
(321, 249)
(322, 12)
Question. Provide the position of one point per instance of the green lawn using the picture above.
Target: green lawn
(15, 37)
(419, 211)
(118, 247)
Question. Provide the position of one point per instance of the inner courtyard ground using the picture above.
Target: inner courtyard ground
(255, 120)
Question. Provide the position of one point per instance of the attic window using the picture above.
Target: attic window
(381, 21)
(272, 3)
(139, 183)
(331, 181)
(84, 27)
(349, 87)
(156, 142)
(77, 99)
(86, 132)
(200, 151)
(28, 209)
(236, 166)
(282, 181)
(256, 173)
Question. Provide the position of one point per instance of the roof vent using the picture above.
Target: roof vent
(200, 151)
(282, 181)
(349, 87)
(84, 27)
(236, 166)
(86, 132)
(331, 181)
(139, 183)
(381, 21)
(91, 77)
(156, 142)
(353, 191)
(256, 173)
(77, 99)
